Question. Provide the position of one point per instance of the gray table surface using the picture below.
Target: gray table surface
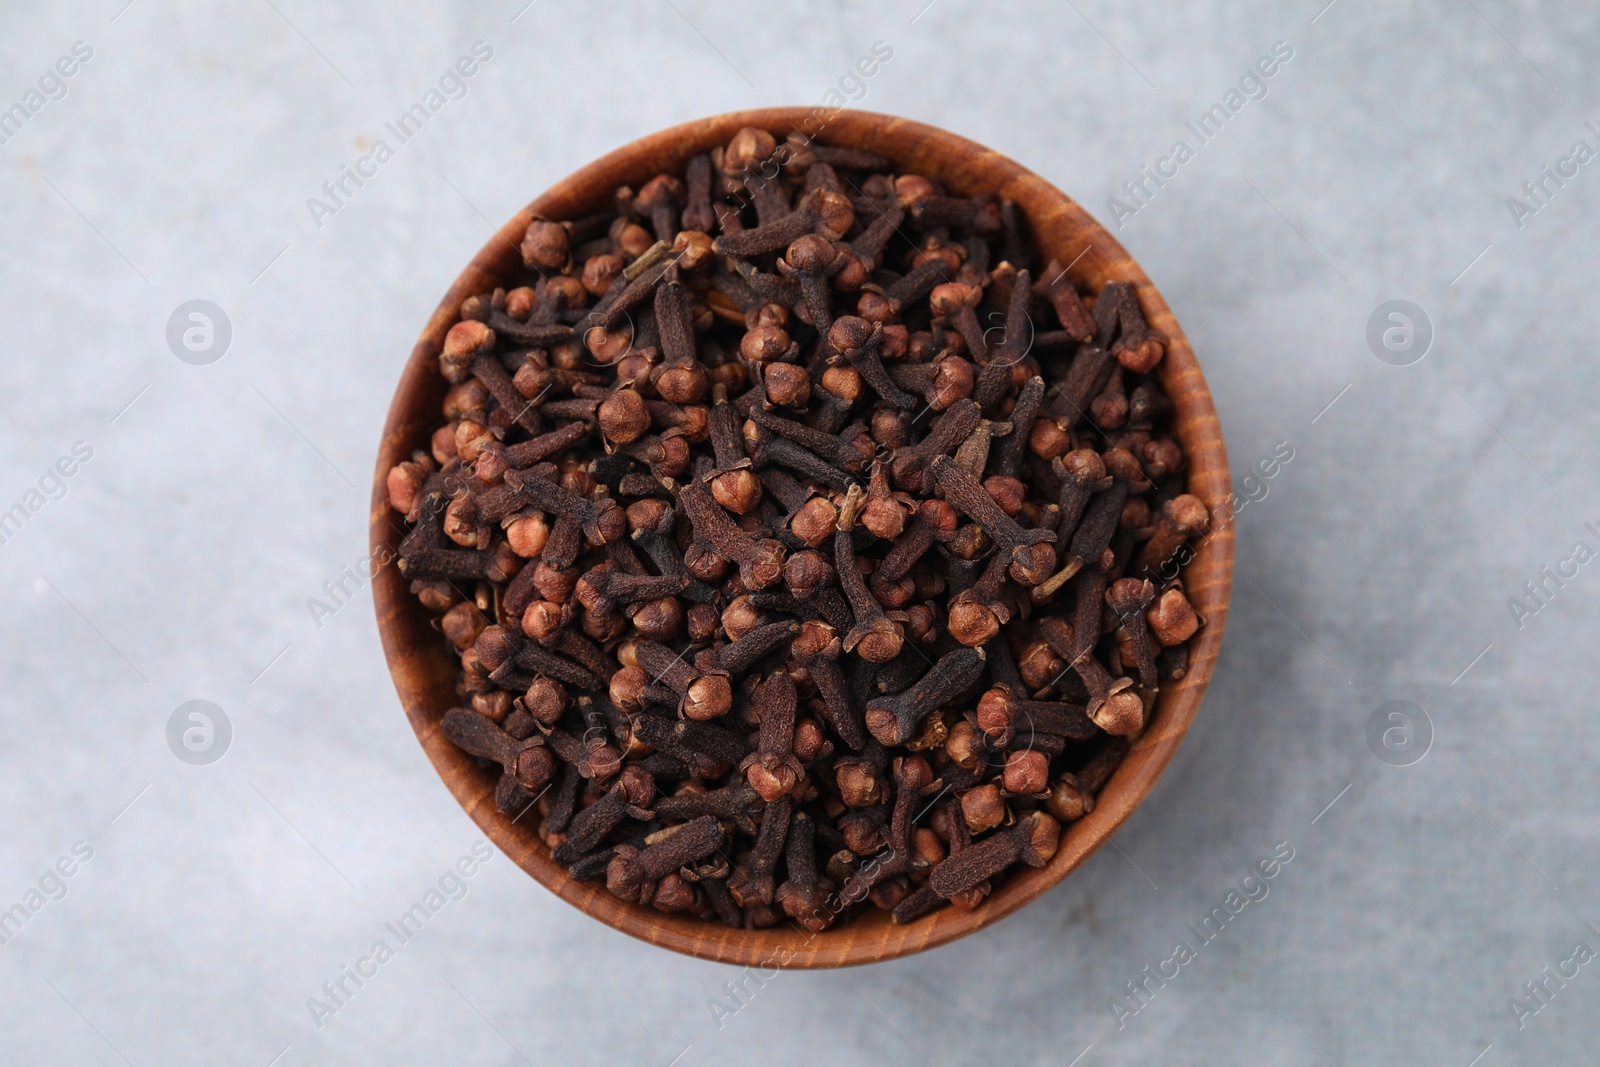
(219, 498)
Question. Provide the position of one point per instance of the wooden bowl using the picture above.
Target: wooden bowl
(425, 672)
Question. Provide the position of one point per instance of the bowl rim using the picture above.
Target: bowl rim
(421, 669)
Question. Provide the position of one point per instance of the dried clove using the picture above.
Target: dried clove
(753, 536)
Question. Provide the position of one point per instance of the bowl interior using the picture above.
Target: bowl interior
(424, 672)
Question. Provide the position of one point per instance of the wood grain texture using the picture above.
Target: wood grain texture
(424, 671)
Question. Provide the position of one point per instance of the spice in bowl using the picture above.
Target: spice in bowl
(803, 550)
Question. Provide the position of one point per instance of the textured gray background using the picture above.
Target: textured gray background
(179, 563)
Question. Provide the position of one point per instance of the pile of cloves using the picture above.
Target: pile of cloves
(803, 550)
